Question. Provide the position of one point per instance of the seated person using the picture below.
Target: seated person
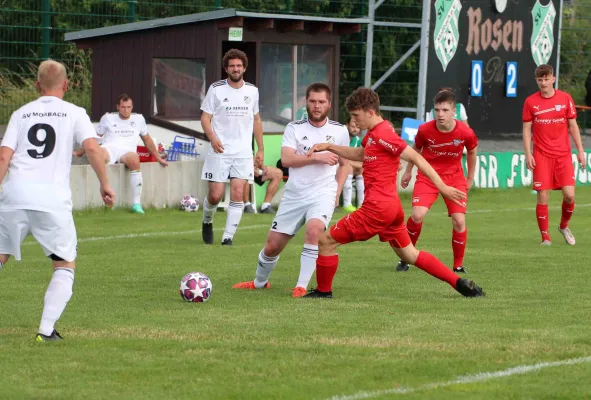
(271, 174)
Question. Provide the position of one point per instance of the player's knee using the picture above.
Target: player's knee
(417, 217)
(132, 161)
(458, 223)
(325, 241)
(568, 198)
(272, 249)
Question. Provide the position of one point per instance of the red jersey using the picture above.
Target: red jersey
(443, 150)
(381, 150)
(548, 117)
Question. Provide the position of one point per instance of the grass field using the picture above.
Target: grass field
(384, 335)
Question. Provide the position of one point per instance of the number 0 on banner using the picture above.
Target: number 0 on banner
(476, 80)
(511, 79)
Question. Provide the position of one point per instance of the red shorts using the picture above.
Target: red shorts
(425, 193)
(382, 218)
(553, 173)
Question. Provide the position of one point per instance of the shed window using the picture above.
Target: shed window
(286, 71)
(178, 87)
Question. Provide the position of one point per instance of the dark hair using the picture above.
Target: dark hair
(445, 96)
(445, 89)
(235, 54)
(123, 97)
(319, 87)
(544, 70)
(363, 99)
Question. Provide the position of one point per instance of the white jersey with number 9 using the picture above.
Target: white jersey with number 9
(42, 134)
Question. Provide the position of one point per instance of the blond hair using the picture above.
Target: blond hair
(51, 75)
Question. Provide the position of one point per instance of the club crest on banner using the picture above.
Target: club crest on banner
(542, 36)
(446, 34)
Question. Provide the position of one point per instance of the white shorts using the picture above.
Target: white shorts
(55, 232)
(220, 169)
(115, 153)
(296, 210)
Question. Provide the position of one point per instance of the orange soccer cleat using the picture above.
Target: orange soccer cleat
(250, 285)
(299, 292)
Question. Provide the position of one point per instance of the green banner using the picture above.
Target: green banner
(509, 170)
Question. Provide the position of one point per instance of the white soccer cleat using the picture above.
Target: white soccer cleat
(568, 236)
(546, 243)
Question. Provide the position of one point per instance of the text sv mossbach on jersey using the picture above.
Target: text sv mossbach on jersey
(43, 115)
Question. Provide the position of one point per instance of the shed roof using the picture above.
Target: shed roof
(199, 17)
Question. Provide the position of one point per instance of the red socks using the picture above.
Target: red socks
(326, 268)
(431, 265)
(414, 230)
(458, 244)
(542, 217)
(567, 212)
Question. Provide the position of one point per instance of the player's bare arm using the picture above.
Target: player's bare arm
(290, 159)
(573, 129)
(350, 153)
(5, 157)
(151, 146)
(529, 158)
(216, 143)
(407, 176)
(451, 193)
(342, 172)
(471, 164)
(97, 162)
(259, 158)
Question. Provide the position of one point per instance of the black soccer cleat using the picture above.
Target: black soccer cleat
(40, 338)
(469, 288)
(227, 242)
(316, 294)
(460, 270)
(207, 233)
(402, 266)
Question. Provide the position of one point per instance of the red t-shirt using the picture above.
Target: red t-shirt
(443, 150)
(381, 150)
(548, 117)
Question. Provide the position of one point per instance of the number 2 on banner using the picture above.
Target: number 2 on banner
(511, 79)
(476, 81)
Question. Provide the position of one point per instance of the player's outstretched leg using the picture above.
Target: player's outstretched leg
(568, 206)
(414, 231)
(57, 296)
(431, 265)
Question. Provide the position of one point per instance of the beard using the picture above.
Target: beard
(312, 118)
(234, 79)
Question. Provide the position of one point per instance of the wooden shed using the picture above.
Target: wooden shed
(166, 65)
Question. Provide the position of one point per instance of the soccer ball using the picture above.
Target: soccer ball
(189, 203)
(196, 287)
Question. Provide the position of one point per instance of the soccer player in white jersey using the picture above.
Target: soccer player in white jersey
(36, 198)
(120, 131)
(310, 192)
(229, 119)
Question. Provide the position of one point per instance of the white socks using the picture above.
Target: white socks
(264, 206)
(360, 186)
(135, 179)
(57, 296)
(235, 210)
(264, 268)
(208, 211)
(307, 265)
(348, 191)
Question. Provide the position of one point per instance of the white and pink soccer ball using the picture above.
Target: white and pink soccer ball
(189, 203)
(196, 287)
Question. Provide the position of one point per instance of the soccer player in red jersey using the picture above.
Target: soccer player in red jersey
(441, 142)
(551, 115)
(381, 212)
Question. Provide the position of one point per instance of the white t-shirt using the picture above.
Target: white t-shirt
(460, 113)
(122, 133)
(233, 112)
(42, 134)
(302, 135)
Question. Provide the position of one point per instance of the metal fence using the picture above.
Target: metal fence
(33, 30)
